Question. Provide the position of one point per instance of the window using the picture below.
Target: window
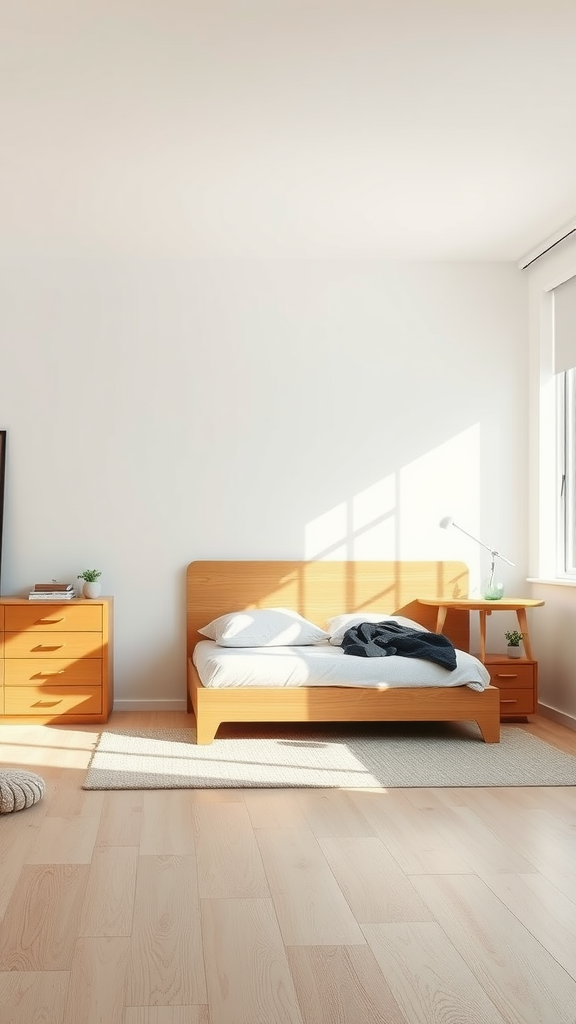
(552, 427)
(564, 331)
(567, 473)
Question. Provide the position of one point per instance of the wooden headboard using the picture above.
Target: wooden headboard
(320, 590)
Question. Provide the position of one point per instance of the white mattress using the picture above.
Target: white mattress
(325, 665)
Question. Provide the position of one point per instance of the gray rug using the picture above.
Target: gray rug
(342, 757)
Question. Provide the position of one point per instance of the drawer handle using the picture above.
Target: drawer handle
(47, 647)
(48, 622)
(46, 703)
(509, 701)
(507, 675)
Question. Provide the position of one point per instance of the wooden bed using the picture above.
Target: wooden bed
(319, 591)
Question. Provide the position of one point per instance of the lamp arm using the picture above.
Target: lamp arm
(472, 537)
(495, 554)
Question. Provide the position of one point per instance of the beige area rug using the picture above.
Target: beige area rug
(337, 756)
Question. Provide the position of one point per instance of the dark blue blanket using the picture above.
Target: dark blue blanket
(382, 639)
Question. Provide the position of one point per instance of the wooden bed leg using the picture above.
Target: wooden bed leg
(206, 730)
(490, 729)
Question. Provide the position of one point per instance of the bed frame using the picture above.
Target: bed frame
(320, 590)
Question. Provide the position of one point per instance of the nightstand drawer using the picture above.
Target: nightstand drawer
(516, 702)
(517, 680)
(53, 671)
(52, 701)
(46, 617)
(56, 645)
(517, 677)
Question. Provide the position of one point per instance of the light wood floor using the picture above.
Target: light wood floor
(420, 906)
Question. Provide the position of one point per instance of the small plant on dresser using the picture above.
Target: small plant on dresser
(91, 586)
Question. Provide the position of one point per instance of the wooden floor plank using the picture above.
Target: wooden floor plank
(121, 819)
(228, 857)
(521, 977)
(342, 985)
(97, 989)
(374, 886)
(247, 973)
(311, 908)
(509, 823)
(331, 813)
(17, 837)
(70, 799)
(482, 848)
(108, 906)
(410, 835)
(33, 997)
(427, 976)
(167, 1015)
(544, 911)
(166, 823)
(42, 918)
(69, 840)
(564, 881)
(166, 965)
(274, 808)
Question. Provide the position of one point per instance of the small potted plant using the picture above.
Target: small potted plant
(91, 586)
(514, 637)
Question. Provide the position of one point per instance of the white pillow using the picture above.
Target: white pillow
(340, 623)
(264, 627)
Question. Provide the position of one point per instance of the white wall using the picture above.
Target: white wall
(164, 410)
(167, 402)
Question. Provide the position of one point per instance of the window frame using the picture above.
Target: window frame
(546, 554)
(566, 529)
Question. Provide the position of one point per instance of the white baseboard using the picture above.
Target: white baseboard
(150, 705)
(557, 716)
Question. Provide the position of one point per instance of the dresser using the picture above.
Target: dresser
(56, 660)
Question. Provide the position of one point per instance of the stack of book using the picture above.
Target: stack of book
(48, 591)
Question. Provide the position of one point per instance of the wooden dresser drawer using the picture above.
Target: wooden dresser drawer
(516, 702)
(518, 677)
(56, 645)
(52, 701)
(56, 660)
(53, 671)
(47, 617)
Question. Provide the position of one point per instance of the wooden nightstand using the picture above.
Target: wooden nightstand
(56, 662)
(485, 608)
(517, 680)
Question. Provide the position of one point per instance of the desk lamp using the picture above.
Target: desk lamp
(492, 590)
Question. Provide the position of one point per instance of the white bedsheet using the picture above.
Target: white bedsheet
(325, 665)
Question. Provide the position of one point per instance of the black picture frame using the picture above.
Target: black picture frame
(2, 481)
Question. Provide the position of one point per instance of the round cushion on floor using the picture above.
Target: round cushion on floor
(19, 789)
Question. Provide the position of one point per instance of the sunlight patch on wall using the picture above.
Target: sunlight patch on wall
(398, 516)
(443, 482)
(374, 521)
(327, 535)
